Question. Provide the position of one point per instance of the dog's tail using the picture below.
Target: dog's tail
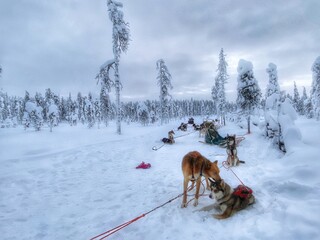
(242, 161)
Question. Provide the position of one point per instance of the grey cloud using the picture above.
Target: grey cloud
(61, 44)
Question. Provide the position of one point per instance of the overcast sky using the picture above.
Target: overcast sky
(62, 44)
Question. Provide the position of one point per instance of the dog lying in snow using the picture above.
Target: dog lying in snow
(228, 200)
(170, 138)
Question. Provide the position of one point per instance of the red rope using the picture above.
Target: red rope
(121, 226)
(226, 166)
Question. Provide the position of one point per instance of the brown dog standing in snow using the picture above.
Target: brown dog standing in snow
(194, 166)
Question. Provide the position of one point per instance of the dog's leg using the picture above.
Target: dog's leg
(237, 161)
(192, 185)
(185, 187)
(197, 191)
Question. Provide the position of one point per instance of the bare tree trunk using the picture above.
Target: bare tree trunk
(249, 124)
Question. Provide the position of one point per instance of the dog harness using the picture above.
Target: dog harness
(242, 191)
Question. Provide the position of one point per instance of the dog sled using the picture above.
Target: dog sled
(214, 138)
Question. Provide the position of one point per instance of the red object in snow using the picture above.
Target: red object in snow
(243, 191)
(144, 165)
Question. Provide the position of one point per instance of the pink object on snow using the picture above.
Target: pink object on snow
(144, 165)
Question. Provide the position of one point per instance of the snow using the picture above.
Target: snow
(53, 109)
(272, 100)
(75, 183)
(244, 66)
(30, 106)
(107, 63)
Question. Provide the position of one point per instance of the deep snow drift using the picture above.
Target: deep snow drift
(75, 183)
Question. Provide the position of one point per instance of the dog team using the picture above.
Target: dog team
(195, 166)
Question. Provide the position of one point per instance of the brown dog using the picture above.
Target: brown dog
(194, 166)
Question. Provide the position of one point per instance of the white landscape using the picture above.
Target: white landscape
(75, 183)
(72, 133)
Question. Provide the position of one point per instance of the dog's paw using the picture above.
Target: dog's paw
(183, 205)
(195, 202)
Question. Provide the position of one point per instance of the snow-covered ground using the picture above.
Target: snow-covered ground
(75, 183)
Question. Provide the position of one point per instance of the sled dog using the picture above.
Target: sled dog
(228, 200)
(170, 138)
(183, 127)
(232, 159)
(194, 166)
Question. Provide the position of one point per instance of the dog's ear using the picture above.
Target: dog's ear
(216, 162)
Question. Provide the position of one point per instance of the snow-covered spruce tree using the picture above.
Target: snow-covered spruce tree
(273, 88)
(164, 82)
(143, 114)
(106, 84)
(297, 104)
(249, 93)
(214, 95)
(97, 111)
(33, 115)
(120, 37)
(52, 114)
(273, 99)
(308, 108)
(89, 111)
(303, 100)
(315, 88)
(80, 106)
(220, 81)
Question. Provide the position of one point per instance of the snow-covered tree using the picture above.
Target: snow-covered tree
(81, 106)
(315, 88)
(303, 101)
(297, 104)
(120, 37)
(249, 93)
(89, 111)
(143, 114)
(97, 111)
(308, 108)
(106, 85)
(218, 90)
(52, 114)
(33, 115)
(164, 82)
(273, 85)
(273, 88)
